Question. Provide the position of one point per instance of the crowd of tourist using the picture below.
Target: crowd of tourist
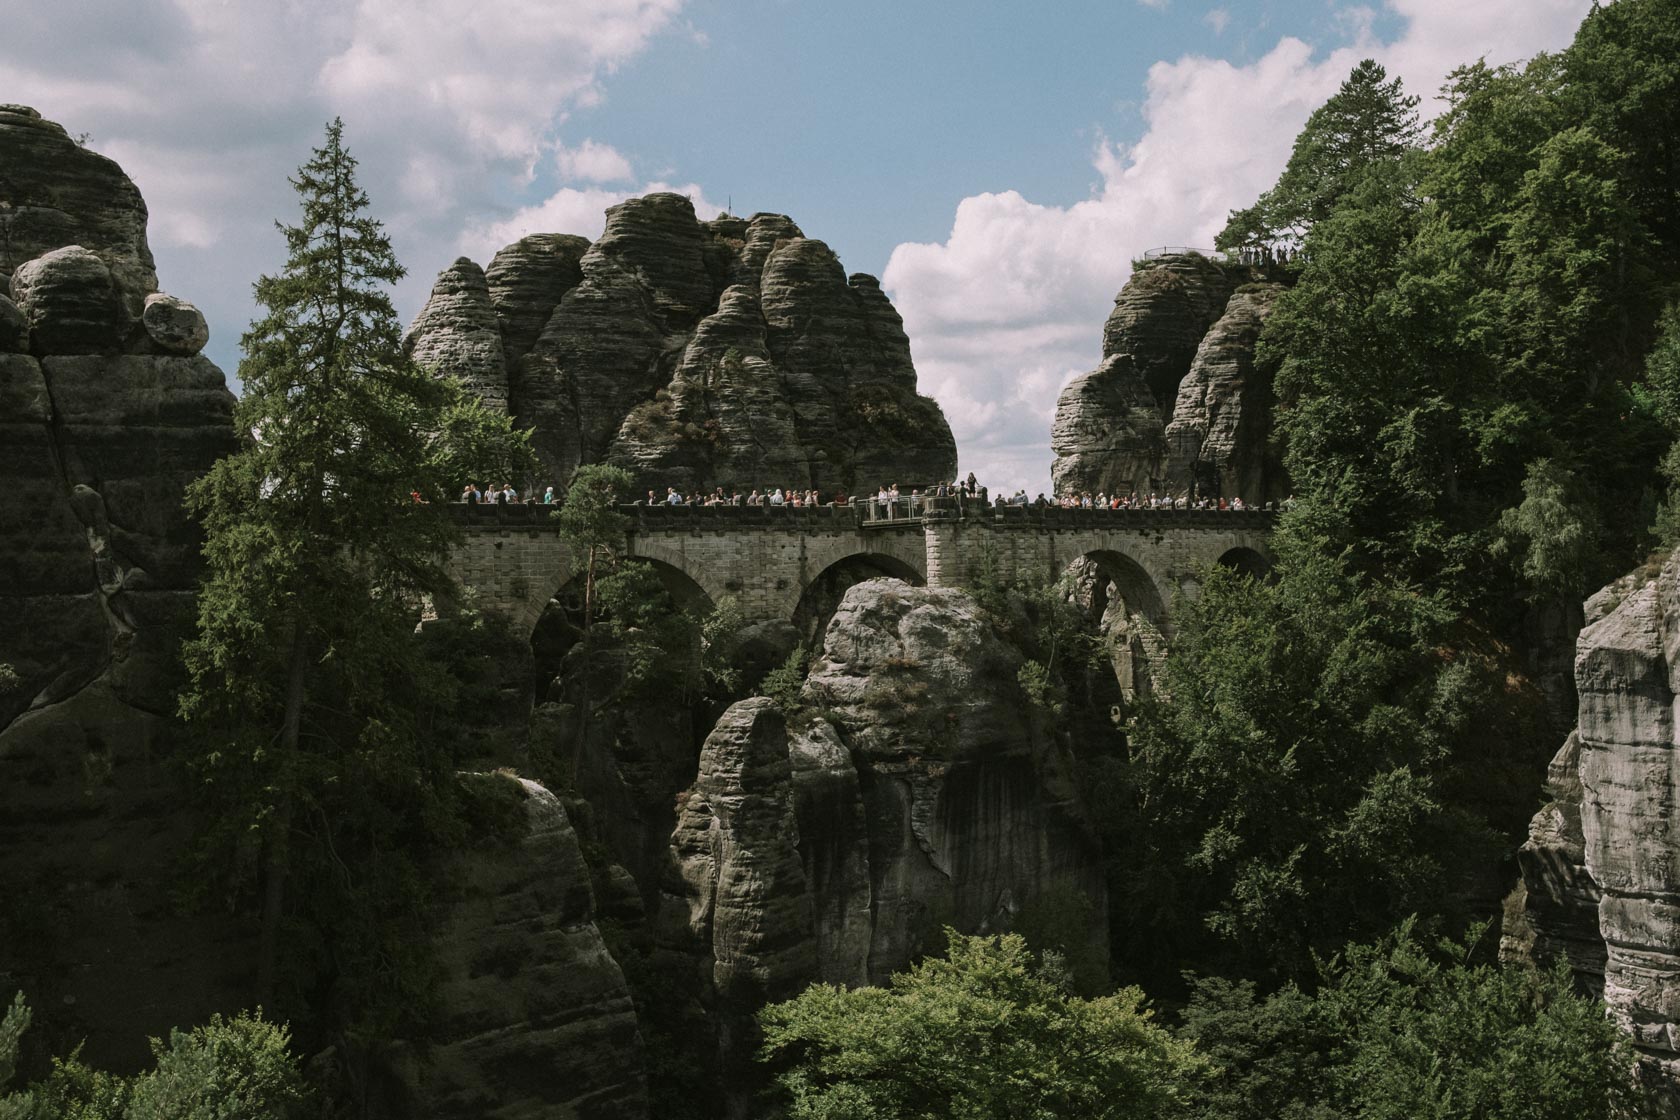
(889, 502)
(1152, 500)
(503, 495)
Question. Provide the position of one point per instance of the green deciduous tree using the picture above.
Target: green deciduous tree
(319, 558)
(589, 520)
(635, 642)
(982, 1033)
(1298, 780)
(1409, 1027)
(229, 1069)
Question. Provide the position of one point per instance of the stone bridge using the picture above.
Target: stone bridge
(794, 564)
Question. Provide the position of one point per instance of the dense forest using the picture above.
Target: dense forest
(1307, 820)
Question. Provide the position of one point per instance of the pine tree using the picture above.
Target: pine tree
(1368, 122)
(323, 534)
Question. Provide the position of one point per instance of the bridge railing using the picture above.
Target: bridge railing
(869, 514)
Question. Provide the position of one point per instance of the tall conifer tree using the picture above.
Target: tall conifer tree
(318, 552)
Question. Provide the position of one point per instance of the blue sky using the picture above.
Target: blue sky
(868, 121)
(997, 164)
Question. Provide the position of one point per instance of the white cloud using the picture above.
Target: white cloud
(592, 162)
(1158, 5)
(1218, 19)
(210, 104)
(568, 210)
(1010, 305)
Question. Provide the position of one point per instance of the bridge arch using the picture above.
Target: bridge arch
(672, 561)
(822, 593)
(1246, 561)
(1120, 575)
(557, 627)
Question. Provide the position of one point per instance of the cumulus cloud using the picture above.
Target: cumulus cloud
(209, 105)
(1010, 305)
(592, 162)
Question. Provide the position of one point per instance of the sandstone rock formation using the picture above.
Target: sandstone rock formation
(104, 419)
(1600, 880)
(59, 193)
(912, 789)
(1178, 402)
(1219, 439)
(535, 1017)
(697, 354)
(915, 785)
(457, 330)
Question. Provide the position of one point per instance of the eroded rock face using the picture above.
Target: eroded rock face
(968, 809)
(527, 281)
(1178, 403)
(69, 302)
(536, 1019)
(59, 193)
(697, 354)
(100, 433)
(1219, 440)
(457, 331)
(175, 326)
(1601, 869)
(913, 788)
(922, 790)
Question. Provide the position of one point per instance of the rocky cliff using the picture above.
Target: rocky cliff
(535, 1017)
(912, 787)
(1600, 882)
(697, 354)
(1179, 402)
(107, 411)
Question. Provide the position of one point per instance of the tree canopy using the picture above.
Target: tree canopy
(1370, 121)
(983, 1032)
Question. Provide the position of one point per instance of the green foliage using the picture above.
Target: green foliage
(661, 648)
(228, 1069)
(783, 683)
(473, 443)
(982, 1033)
(1660, 397)
(9, 679)
(1369, 121)
(1047, 622)
(1554, 531)
(1466, 311)
(1290, 782)
(1041, 691)
(589, 521)
(1400, 1028)
(12, 1026)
